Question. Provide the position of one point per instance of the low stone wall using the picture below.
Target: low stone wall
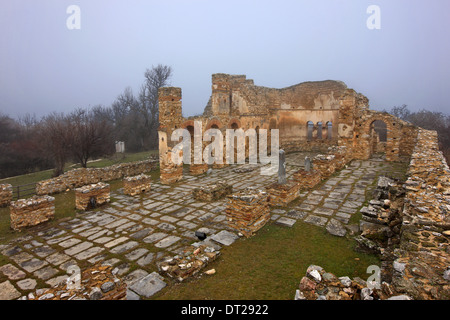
(31, 212)
(283, 194)
(198, 169)
(83, 176)
(247, 211)
(336, 159)
(91, 196)
(6, 194)
(306, 179)
(136, 185)
(212, 192)
(169, 171)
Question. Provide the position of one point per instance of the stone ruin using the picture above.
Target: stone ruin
(31, 212)
(136, 184)
(212, 192)
(189, 262)
(6, 194)
(92, 196)
(247, 211)
(334, 121)
(98, 283)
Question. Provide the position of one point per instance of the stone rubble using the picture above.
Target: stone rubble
(212, 192)
(189, 263)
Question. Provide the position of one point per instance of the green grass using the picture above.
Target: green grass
(271, 264)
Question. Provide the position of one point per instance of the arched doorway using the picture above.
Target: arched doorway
(378, 137)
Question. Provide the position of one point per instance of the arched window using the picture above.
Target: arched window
(329, 130)
(319, 130)
(309, 130)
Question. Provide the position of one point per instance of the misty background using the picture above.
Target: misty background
(46, 67)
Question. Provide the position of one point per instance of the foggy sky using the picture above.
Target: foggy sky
(46, 67)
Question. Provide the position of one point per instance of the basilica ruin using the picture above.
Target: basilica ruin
(333, 150)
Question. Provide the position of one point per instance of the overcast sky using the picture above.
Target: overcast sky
(46, 67)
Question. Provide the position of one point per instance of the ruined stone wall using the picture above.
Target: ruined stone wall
(6, 194)
(31, 212)
(83, 176)
(136, 184)
(422, 269)
(92, 196)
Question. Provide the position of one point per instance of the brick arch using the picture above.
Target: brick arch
(393, 133)
(234, 121)
(187, 124)
(214, 122)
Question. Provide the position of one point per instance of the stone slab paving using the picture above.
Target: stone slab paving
(134, 233)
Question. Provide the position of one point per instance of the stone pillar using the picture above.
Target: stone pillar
(6, 194)
(170, 119)
(282, 168)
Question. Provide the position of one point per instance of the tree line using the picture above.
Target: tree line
(29, 144)
(430, 120)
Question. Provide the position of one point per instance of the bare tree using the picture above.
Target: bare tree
(148, 107)
(90, 135)
(54, 135)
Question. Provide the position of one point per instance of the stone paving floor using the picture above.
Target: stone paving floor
(133, 233)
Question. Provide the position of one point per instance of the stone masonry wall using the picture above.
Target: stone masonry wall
(83, 176)
(30, 212)
(423, 267)
(6, 194)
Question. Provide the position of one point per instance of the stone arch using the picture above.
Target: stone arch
(393, 134)
(234, 124)
(214, 123)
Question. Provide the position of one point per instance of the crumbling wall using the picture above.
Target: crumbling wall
(136, 184)
(6, 194)
(92, 196)
(83, 176)
(422, 269)
(31, 212)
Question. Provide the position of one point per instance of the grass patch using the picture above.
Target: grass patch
(271, 264)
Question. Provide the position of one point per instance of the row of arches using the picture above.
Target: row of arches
(319, 129)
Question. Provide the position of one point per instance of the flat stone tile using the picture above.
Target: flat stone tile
(141, 233)
(224, 237)
(45, 273)
(78, 248)
(12, 272)
(57, 258)
(167, 242)
(8, 291)
(70, 242)
(33, 265)
(186, 224)
(146, 260)
(43, 251)
(86, 254)
(287, 222)
(315, 220)
(148, 285)
(27, 284)
(136, 254)
(323, 211)
(116, 242)
(120, 249)
(155, 237)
